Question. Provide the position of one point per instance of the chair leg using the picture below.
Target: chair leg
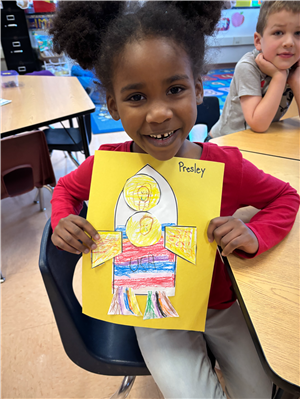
(36, 200)
(73, 159)
(125, 388)
(41, 200)
(281, 394)
(49, 188)
(2, 279)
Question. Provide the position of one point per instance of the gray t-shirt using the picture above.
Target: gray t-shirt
(248, 80)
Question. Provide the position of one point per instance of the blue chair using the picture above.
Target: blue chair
(94, 345)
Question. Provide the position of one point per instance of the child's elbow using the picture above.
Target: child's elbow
(258, 125)
(259, 128)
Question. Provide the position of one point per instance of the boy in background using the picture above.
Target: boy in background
(266, 79)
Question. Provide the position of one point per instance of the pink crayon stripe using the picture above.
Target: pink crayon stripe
(161, 282)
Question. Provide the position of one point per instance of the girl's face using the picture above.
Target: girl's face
(155, 96)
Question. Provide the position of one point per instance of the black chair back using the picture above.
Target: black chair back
(94, 345)
(208, 113)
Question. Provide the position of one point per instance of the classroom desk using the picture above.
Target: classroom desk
(268, 289)
(282, 139)
(43, 100)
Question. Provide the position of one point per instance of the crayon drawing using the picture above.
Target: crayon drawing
(182, 241)
(162, 262)
(145, 207)
(109, 245)
(158, 306)
(124, 302)
(143, 229)
(141, 192)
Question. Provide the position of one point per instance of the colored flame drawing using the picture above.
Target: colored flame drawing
(158, 306)
(124, 302)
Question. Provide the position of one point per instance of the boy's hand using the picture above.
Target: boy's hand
(267, 67)
(231, 233)
(294, 76)
(70, 230)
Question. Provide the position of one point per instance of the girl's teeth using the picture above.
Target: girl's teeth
(165, 135)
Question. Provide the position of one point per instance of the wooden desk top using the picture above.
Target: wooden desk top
(42, 100)
(270, 285)
(282, 139)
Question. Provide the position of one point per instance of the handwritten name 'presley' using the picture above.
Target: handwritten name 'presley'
(190, 169)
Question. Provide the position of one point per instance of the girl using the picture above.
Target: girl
(149, 57)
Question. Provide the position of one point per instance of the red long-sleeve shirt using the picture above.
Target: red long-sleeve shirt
(244, 184)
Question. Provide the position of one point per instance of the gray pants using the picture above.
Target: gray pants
(180, 366)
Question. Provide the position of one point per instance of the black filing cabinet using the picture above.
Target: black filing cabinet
(16, 45)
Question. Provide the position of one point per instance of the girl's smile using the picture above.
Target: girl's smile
(156, 96)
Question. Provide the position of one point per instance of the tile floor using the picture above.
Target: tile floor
(34, 364)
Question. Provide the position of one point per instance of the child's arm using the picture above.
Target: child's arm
(260, 111)
(67, 200)
(279, 203)
(294, 82)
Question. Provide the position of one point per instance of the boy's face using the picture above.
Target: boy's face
(280, 42)
(155, 96)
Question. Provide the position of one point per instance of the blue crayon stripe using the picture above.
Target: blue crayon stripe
(135, 267)
(126, 303)
(144, 260)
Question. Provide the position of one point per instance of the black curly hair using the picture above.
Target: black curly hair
(94, 33)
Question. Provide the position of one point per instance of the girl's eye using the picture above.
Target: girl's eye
(136, 97)
(176, 90)
(297, 33)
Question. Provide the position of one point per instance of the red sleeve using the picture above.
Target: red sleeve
(70, 192)
(245, 184)
(74, 188)
(278, 201)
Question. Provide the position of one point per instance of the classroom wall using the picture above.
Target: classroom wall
(235, 35)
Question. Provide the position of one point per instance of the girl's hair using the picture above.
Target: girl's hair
(271, 7)
(94, 33)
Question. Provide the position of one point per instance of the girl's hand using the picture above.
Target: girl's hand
(70, 231)
(230, 234)
(268, 68)
(294, 76)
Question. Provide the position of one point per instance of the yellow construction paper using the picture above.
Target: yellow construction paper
(197, 188)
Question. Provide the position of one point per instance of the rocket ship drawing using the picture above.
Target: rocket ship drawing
(144, 245)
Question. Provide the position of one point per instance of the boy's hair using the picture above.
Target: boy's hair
(271, 7)
(95, 33)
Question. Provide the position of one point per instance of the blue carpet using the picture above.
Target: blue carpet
(215, 83)
(102, 122)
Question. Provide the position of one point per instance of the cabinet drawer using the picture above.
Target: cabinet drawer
(22, 67)
(13, 23)
(17, 49)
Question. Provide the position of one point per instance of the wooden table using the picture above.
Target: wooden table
(43, 100)
(268, 290)
(282, 139)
